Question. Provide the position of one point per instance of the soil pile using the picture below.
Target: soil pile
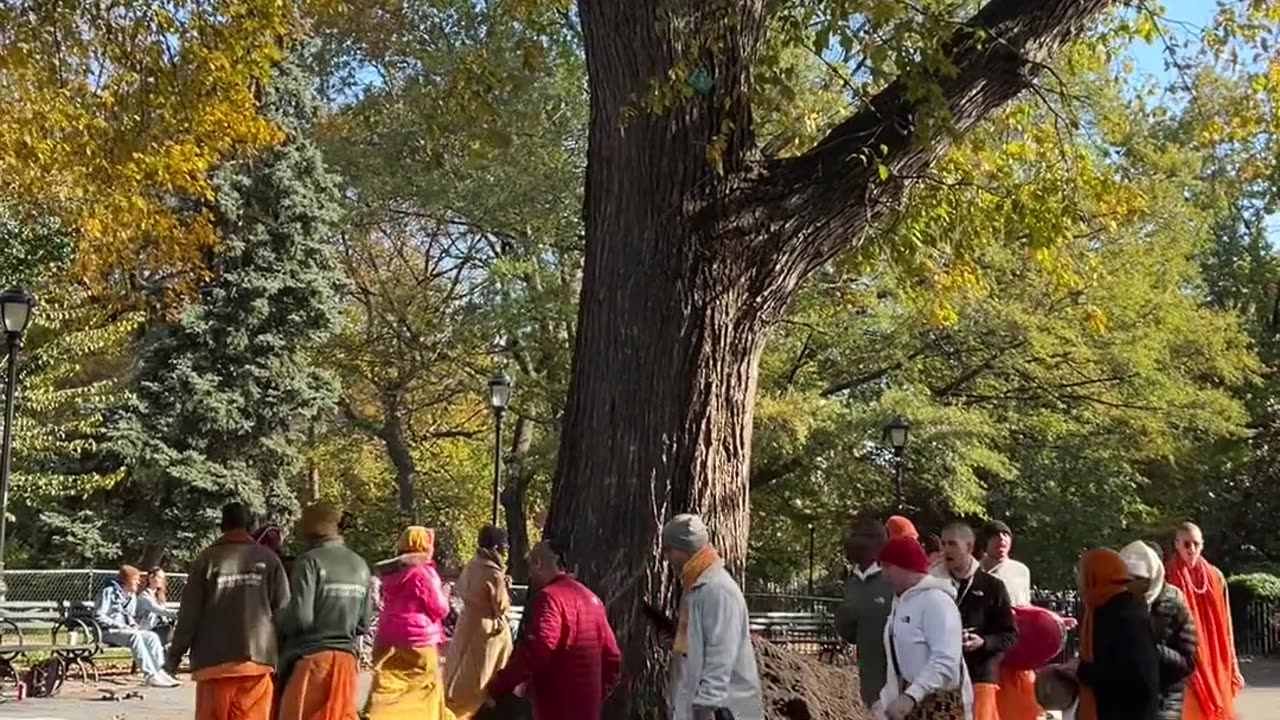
(798, 687)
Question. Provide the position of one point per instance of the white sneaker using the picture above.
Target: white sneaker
(162, 680)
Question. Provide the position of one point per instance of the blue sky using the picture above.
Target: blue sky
(1182, 16)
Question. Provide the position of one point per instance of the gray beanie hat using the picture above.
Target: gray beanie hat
(686, 533)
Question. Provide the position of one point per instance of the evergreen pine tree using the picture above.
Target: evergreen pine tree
(226, 390)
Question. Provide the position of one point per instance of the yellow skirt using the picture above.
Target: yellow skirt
(406, 685)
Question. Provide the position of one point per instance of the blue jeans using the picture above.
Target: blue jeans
(145, 645)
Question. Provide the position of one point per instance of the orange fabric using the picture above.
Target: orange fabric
(898, 526)
(417, 539)
(984, 701)
(689, 574)
(1016, 696)
(1217, 680)
(1103, 576)
(234, 691)
(322, 686)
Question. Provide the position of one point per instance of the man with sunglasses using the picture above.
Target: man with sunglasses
(1213, 687)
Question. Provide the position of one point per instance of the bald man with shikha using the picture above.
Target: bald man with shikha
(986, 614)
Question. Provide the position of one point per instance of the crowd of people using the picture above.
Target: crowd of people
(955, 635)
(939, 635)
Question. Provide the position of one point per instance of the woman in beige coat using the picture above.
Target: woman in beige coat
(481, 642)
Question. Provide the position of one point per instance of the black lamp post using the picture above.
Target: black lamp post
(15, 313)
(895, 434)
(499, 396)
(813, 529)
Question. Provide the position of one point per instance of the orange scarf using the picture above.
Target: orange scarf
(689, 574)
(1216, 680)
(1103, 576)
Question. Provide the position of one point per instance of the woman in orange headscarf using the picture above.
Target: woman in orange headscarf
(1119, 669)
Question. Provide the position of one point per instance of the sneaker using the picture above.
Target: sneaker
(162, 680)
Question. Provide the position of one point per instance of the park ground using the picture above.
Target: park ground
(1260, 701)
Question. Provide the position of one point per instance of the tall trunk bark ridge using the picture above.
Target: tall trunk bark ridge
(688, 262)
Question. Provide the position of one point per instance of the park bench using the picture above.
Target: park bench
(53, 638)
(805, 633)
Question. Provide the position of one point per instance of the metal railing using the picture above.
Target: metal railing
(78, 585)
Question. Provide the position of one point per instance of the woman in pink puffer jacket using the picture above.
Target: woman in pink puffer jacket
(406, 656)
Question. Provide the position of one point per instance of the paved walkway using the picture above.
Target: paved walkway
(1260, 701)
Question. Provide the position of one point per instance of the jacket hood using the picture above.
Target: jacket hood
(931, 582)
(402, 575)
(1144, 563)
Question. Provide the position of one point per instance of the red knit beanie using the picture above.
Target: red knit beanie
(905, 553)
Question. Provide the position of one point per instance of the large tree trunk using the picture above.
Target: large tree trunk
(687, 265)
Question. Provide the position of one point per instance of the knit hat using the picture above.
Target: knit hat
(995, 527)
(320, 519)
(899, 527)
(686, 533)
(906, 553)
(417, 539)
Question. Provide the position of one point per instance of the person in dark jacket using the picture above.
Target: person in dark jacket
(1171, 623)
(868, 596)
(986, 614)
(233, 591)
(329, 609)
(1119, 670)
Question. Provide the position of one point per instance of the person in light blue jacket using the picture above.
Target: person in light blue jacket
(115, 610)
(713, 661)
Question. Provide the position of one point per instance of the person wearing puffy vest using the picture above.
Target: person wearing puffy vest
(406, 654)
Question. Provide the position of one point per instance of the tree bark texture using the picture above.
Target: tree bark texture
(514, 496)
(401, 454)
(687, 265)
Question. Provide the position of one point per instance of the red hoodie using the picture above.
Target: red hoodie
(567, 655)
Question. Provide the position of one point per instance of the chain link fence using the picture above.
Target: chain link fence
(74, 586)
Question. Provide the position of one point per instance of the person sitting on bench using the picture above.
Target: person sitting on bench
(114, 612)
(150, 609)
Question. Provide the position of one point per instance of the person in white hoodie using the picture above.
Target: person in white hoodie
(926, 674)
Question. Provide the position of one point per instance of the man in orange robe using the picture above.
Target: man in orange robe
(226, 621)
(1212, 689)
(329, 609)
(1016, 696)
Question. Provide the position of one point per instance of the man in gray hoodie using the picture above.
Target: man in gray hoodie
(713, 661)
(868, 597)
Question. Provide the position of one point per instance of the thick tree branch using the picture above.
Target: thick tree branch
(825, 200)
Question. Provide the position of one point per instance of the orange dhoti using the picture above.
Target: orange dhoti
(1016, 698)
(1191, 709)
(234, 691)
(984, 701)
(321, 686)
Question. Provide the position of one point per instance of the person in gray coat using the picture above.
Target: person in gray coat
(713, 661)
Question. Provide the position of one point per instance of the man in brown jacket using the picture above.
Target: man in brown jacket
(227, 622)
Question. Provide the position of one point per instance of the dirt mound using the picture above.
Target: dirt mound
(797, 687)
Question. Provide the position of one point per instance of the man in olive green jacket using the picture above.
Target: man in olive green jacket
(868, 597)
(233, 590)
(329, 609)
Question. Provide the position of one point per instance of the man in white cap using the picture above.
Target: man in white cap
(713, 662)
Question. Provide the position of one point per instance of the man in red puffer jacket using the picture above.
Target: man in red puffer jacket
(567, 656)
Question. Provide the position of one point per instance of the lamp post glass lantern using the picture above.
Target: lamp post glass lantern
(15, 314)
(896, 433)
(499, 397)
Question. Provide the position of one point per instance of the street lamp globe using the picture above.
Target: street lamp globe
(499, 391)
(896, 432)
(15, 310)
